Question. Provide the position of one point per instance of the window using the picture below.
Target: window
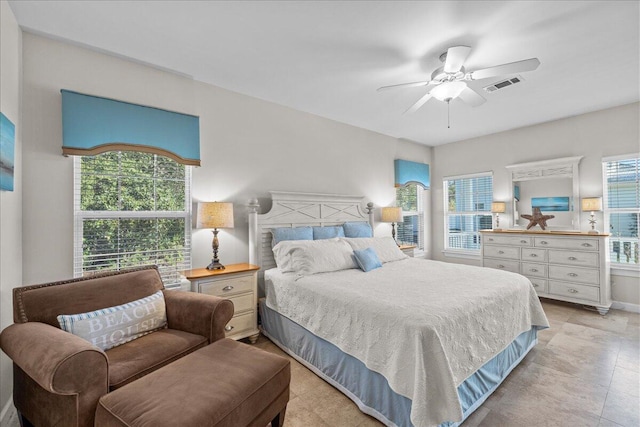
(467, 210)
(132, 209)
(622, 208)
(411, 199)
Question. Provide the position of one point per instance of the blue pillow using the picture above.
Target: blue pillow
(288, 233)
(320, 233)
(367, 259)
(357, 229)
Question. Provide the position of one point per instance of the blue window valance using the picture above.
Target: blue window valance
(92, 125)
(407, 172)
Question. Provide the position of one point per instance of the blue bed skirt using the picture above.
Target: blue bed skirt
(369, 389)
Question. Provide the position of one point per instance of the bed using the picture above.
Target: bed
(412, 343)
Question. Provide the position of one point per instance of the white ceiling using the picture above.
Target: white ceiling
(328, 58)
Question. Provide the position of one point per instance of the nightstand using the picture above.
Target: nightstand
(408, 249)
(239, 283)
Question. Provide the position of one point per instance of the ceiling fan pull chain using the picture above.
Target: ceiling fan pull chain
(448, 114)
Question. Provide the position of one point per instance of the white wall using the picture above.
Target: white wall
(594, 135)
(10, 202)
(248, 147)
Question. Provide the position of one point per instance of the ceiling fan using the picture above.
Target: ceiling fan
(449, 81)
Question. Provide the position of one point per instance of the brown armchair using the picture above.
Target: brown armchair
(59, 377)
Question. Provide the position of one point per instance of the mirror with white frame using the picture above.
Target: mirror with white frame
(551, 185)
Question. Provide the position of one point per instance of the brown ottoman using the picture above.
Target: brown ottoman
(226, 383)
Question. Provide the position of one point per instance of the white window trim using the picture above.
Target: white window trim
(617, 269)
(473, 254)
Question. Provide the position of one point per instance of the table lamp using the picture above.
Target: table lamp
(215, 215)
(392, 215)
(592, 204)
(498, 208)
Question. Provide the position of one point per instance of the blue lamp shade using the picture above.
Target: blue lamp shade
(92, 125)
(407, 172)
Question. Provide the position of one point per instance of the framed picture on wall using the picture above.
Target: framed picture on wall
(7, 152)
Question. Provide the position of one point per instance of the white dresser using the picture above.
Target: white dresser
(568, 266)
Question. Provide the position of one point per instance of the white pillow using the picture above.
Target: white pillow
(113, 326)
(305, 257)
(386, 248)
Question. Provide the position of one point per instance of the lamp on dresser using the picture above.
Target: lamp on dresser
(592, 204)
(215, 215)
(392, 215)
(498, 208)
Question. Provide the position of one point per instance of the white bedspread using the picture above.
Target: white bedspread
(425, 325)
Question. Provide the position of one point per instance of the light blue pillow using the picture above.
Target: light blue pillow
(320, 233)
(367, 259)
(287, 233)
(357, 229)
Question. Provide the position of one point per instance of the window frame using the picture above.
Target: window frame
(81, 215)
(617, 268)
(469, 253)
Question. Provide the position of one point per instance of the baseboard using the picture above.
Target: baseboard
(626, 306)
(8, 413)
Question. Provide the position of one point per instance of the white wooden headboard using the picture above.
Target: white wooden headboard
(297, 210)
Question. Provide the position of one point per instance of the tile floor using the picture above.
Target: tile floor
(585, 371)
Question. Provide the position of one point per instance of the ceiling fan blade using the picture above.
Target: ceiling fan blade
(471, 97)
(415, 107)
(413, 84)
(455, 58)
(500, 70)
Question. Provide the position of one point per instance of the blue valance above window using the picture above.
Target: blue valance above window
(92, 125)
(411, 172)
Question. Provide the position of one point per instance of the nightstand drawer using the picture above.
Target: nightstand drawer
(586, 259)
(239, 324)
(227, 286)
(573, 290)
(513, 266)
(535, 270)
(508, 252)
(566, 243)
(575, 274)
(242, 302)
(534, 255)
(507, 240)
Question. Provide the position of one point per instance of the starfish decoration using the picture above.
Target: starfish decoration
(537, 219)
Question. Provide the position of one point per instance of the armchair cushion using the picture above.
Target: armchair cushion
(113, 326)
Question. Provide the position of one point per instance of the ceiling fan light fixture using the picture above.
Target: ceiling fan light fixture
(448, 90)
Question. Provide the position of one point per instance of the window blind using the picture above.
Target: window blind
(622, 208)
(132, 209)
(468, 210)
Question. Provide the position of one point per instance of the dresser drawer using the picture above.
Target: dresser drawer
(540, 285)
(575, 274)
(535, 270)
(586, 259)
(572, 290)
(513, 266)
(508, 252)
(507, 240)
(566, 243)
(242, 302)
(240, 323)
(229, 286)
(537, 255)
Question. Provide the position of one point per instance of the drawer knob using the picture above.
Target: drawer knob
(535, 285)
(572, 258)
(500, 252)
(534, 270)
(573, 274)
(490, 239)
(227, 288)
(533, 255)
(586, 245)
(543, 242)
(573, 291)
(524, 241)
(228, 328)
(500, 266)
